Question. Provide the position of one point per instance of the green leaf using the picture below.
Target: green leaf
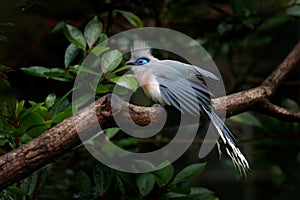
(131, 18)
(36, 70)
(59, 79)
(71, 52)
(3, 141)
(62, 115)
(59, 26)
(189, 172)
(273, 22)
(111, 132)
(97, 50)
(33, 119)
(200, 190)
(145, 183)
(32, 109)
(125, 67)
(242, 7)
(6, 24)
(110, 60)
(251, 22)
(103, 176)
(36, 131)
(43, 112)
(92, 31)
(164, 175)
(83, 182)
(193, 193)
(94, 62)
(54, 73)
(294, 11)
(127, 178)
(182, 191)
(8, 129)
(6, 69)
(4, 84)
(54, 192)
(50, 100)
(290, 104)
(60, 104)
(102, 89)
(75, 36)
(87, 70)
(17, 191)
(120, 185)
(25, 138)
(126, 142)
(277, 175)
(19, 107)
(29, 183)
(145, 165)
(128, 81)
(273, 125)
(8, 102)
(80, 101)
(246, 118)
(103, 39)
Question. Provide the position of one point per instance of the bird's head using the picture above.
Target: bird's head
(140, 54)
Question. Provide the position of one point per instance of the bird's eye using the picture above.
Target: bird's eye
(141, 61)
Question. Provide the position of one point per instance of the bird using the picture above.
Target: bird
(174, 83)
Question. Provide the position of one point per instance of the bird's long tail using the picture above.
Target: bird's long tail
(231, 145)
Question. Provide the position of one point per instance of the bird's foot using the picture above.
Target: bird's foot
(157, 105)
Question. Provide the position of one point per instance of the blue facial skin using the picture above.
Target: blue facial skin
(141, 61)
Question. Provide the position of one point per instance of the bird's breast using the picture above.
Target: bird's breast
(150, 86)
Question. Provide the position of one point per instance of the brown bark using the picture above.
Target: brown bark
(257, 99)
(21, 162)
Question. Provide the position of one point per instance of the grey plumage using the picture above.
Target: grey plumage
(183, 86)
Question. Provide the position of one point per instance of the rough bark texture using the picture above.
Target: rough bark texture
(21, 162)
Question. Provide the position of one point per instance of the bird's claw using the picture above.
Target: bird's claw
(157, 105)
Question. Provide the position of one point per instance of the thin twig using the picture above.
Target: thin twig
(275, 111)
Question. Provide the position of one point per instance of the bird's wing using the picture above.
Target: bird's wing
(180, 95)
(195, 74)
(178, 89)
(187, 91)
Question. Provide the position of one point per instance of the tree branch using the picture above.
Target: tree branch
(58, 140)
(257, 99)
(275, 111)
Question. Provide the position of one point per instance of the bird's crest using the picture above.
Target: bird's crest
(140, 49)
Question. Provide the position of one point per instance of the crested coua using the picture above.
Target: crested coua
(184, 87)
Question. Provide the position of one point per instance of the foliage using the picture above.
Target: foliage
(276, 150)
(105, 183)
(21, 123)
(162, 183)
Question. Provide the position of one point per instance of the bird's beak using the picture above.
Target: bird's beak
(129, 62)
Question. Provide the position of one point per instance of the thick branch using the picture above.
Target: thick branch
(60, 139)
(242, 101)
(21, 162)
